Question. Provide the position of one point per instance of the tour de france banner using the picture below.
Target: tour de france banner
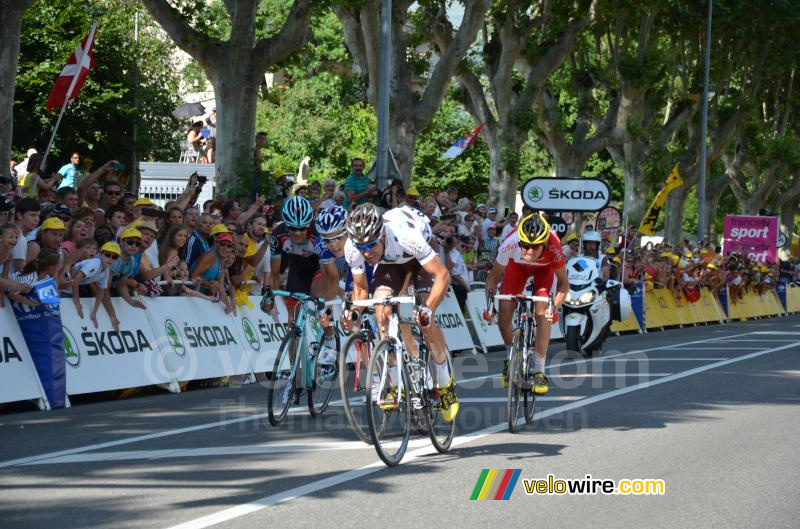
(17, 371)
(102, 359)
(40, 326)
(199, 340)
(755, 237)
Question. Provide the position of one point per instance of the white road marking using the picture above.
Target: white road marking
(281, 497)
(704, 348)
(678, 359)
(259, 416)
(607, 375)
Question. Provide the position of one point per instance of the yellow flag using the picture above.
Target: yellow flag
(648, 226)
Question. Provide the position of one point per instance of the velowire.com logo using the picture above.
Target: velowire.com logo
(495, 484)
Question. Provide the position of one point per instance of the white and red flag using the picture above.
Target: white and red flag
(461, 144)
(70, 80)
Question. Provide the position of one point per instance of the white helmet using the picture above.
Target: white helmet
(591, 236)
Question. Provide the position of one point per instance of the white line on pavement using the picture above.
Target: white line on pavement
(267, 501)
(259, 416)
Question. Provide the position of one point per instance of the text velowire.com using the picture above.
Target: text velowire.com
(590, 486)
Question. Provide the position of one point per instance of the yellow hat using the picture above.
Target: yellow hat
(704, 251)
(569, 238)
(219, 228)
(712, 266)
(111, 247)
(617, 260)
(675, 260)
(412, 192)
(689, 255)
(666, 254)
(144, 202)
(611, 250)
(53, 223)
(130, 233)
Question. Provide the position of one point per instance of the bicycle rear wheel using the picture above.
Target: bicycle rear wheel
(440, 431)
(281, 383)
(353, 384)
(514, 380)
(389, 412)
(324, 383)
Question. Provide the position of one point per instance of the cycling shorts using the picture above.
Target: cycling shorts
(516, 275)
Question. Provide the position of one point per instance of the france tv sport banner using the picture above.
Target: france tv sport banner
(755, 237)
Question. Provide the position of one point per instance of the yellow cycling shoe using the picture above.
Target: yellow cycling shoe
(390, 400)
(540, 385)
(449, 401)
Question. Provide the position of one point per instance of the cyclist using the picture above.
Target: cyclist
(532, 250)
(590, 242)
(330, 225)
(398, 244)
(311, 267)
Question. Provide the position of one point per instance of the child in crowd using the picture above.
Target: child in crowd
(95, 273)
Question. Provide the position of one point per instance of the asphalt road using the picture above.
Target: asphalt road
(712, 411)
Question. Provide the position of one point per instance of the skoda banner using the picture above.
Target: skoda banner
(261, 334)
(566, 194)
(103, 359)
(20, 381)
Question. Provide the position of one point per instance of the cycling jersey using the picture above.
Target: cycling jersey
(552, 255)
(407, 238)
(302, 260)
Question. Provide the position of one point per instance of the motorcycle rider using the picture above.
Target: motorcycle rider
(590, 247)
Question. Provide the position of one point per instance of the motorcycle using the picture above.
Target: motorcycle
(591, 306)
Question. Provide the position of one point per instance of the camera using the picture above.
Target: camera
(201, 180)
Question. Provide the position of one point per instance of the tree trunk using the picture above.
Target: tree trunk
(235, 126)
(788, 210)
(9, 56)
(568, 164)
(503, 180)
(630, 157)
(674, 209)
(403, 143)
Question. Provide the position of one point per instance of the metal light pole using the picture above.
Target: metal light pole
(701, 190)
(133, 182)
(382, 162)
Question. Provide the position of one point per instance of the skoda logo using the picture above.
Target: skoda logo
(71, 352)
(174, 338)
(535, 194)
(250, 334)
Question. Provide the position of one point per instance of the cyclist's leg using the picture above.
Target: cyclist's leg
(513, 283)
(542, 280)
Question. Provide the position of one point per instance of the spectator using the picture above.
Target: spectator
(454, 262)
(125, 270)
(95, 273)
(209, 270)
(9, 236)
(69, 172)
(67, 196)
(174, 218)
(412, 198)
(489, 245)
(27, 219)
(510, 226)
(194, 139)
(115, 219)
(112, 194)
(491, 217)
(190, 217)
(6, 209)
(77, 230)
(35, 182)
(23, 168)
(357, 187)
(326, 200)
(390, 196)
(211, 150)
(197, 243)
(339, 198)
(174, 243)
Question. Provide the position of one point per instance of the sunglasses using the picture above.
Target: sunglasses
(299, 230)
(225, 245)
(113, 193)
(528, 246)
(133, 242)
(111, 256)
(367, 247)
(331, 240)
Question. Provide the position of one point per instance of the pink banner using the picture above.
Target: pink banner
(755, 237)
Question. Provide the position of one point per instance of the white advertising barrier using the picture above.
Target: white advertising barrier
(198, 339)
(261, 334)
(489, 333)
(453, 324)
(101, 359)
(18, 377)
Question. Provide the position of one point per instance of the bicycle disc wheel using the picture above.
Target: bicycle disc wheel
(353, 361)
(389, 417)
(440, 431)
(514, 379)
(281, 384)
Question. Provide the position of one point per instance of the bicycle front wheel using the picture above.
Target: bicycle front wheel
(529, 397)
(514, 379)
(324, 383)
(353, 385)
(440, 431)
(281, 383)
(389, 412)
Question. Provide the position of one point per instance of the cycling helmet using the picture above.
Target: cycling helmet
(591, 236)
(297, 212)
(364, 224)
(331, 220)
(534, 229)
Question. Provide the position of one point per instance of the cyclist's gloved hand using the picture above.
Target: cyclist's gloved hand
(488, 315)
(424, 316)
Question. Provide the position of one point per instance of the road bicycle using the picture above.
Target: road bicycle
(520, 377)
(353, 360)
(295, 373)
(403, 389)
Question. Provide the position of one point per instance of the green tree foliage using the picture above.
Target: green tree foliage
(100, 122)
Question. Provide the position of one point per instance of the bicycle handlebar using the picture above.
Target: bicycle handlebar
(300, 296)
(389, 300)
(520, 297)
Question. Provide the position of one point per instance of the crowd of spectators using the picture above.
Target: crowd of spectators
(111, 241)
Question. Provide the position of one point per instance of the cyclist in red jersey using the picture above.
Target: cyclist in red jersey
(532, 250)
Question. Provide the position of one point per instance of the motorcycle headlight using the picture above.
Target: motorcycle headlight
(568, 299)
(587, 297)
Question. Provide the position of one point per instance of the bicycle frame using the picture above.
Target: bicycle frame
(305, 324)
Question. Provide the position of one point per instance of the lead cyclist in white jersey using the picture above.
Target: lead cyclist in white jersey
(398, 244)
